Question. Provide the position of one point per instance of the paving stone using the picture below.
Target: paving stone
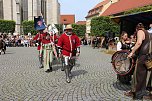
(93, 78)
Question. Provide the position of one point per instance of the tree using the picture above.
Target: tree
(7, 26)
(102, 25)
(28, 27)
(79, 29)
(60, 28)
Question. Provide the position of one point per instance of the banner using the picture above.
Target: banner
(39, 23)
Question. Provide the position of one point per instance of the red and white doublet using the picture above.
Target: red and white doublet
(45, 41)
(39, 37)
(68, 44)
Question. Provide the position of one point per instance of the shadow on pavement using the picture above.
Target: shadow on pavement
(77, 65)
(9, 53)
(120, 86)
(78, 72)
(56, 68)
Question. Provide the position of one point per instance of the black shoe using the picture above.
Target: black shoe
(41, 67)
(68, 80)
(62, 69)
(48, 71)
(51, 69)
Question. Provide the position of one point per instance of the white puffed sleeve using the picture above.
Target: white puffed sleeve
(150, 31)
(119, 45)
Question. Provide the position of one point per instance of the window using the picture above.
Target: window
(44, 9)
(97, 10)
(65, 20)
(1, 9)
(24, 9)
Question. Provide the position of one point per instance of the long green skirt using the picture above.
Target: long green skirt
(47, 56)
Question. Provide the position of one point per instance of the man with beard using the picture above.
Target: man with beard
(69, 46)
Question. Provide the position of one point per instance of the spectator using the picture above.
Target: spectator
(123, 43)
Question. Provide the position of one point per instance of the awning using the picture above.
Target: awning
(143, 17)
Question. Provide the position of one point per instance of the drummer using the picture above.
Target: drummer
(123, 44)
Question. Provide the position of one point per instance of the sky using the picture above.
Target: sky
(78, 7)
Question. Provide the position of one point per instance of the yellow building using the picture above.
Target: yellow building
(97, 11)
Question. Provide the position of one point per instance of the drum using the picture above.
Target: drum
(121, 64)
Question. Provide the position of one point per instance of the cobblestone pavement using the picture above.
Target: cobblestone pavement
(93, 78)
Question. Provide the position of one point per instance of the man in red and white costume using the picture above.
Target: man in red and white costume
(39, 37)
(69, 46)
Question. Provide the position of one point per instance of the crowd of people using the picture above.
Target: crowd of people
(107, 41)
(18, 40)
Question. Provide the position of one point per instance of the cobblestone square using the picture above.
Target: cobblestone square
(93, 78)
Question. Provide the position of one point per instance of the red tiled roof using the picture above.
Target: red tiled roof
(81, 22)
(101, 3)
(91, 15)
(97, 6)
(124, 5)
(67, 19)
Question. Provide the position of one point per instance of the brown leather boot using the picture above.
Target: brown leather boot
(148, 97)
(129, 93)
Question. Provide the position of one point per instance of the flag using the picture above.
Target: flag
(52, 29)
(39, 23)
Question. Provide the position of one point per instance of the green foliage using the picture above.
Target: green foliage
(7, 26)
(60, 28)
(101, 25)
(140, 9)
(79, 29)
(28, 26)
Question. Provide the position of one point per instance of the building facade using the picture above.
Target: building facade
(96, 12)
(81, 22)
(20, 10)
(67, 19)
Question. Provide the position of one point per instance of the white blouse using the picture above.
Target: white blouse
(119, 45)
(150, 30)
